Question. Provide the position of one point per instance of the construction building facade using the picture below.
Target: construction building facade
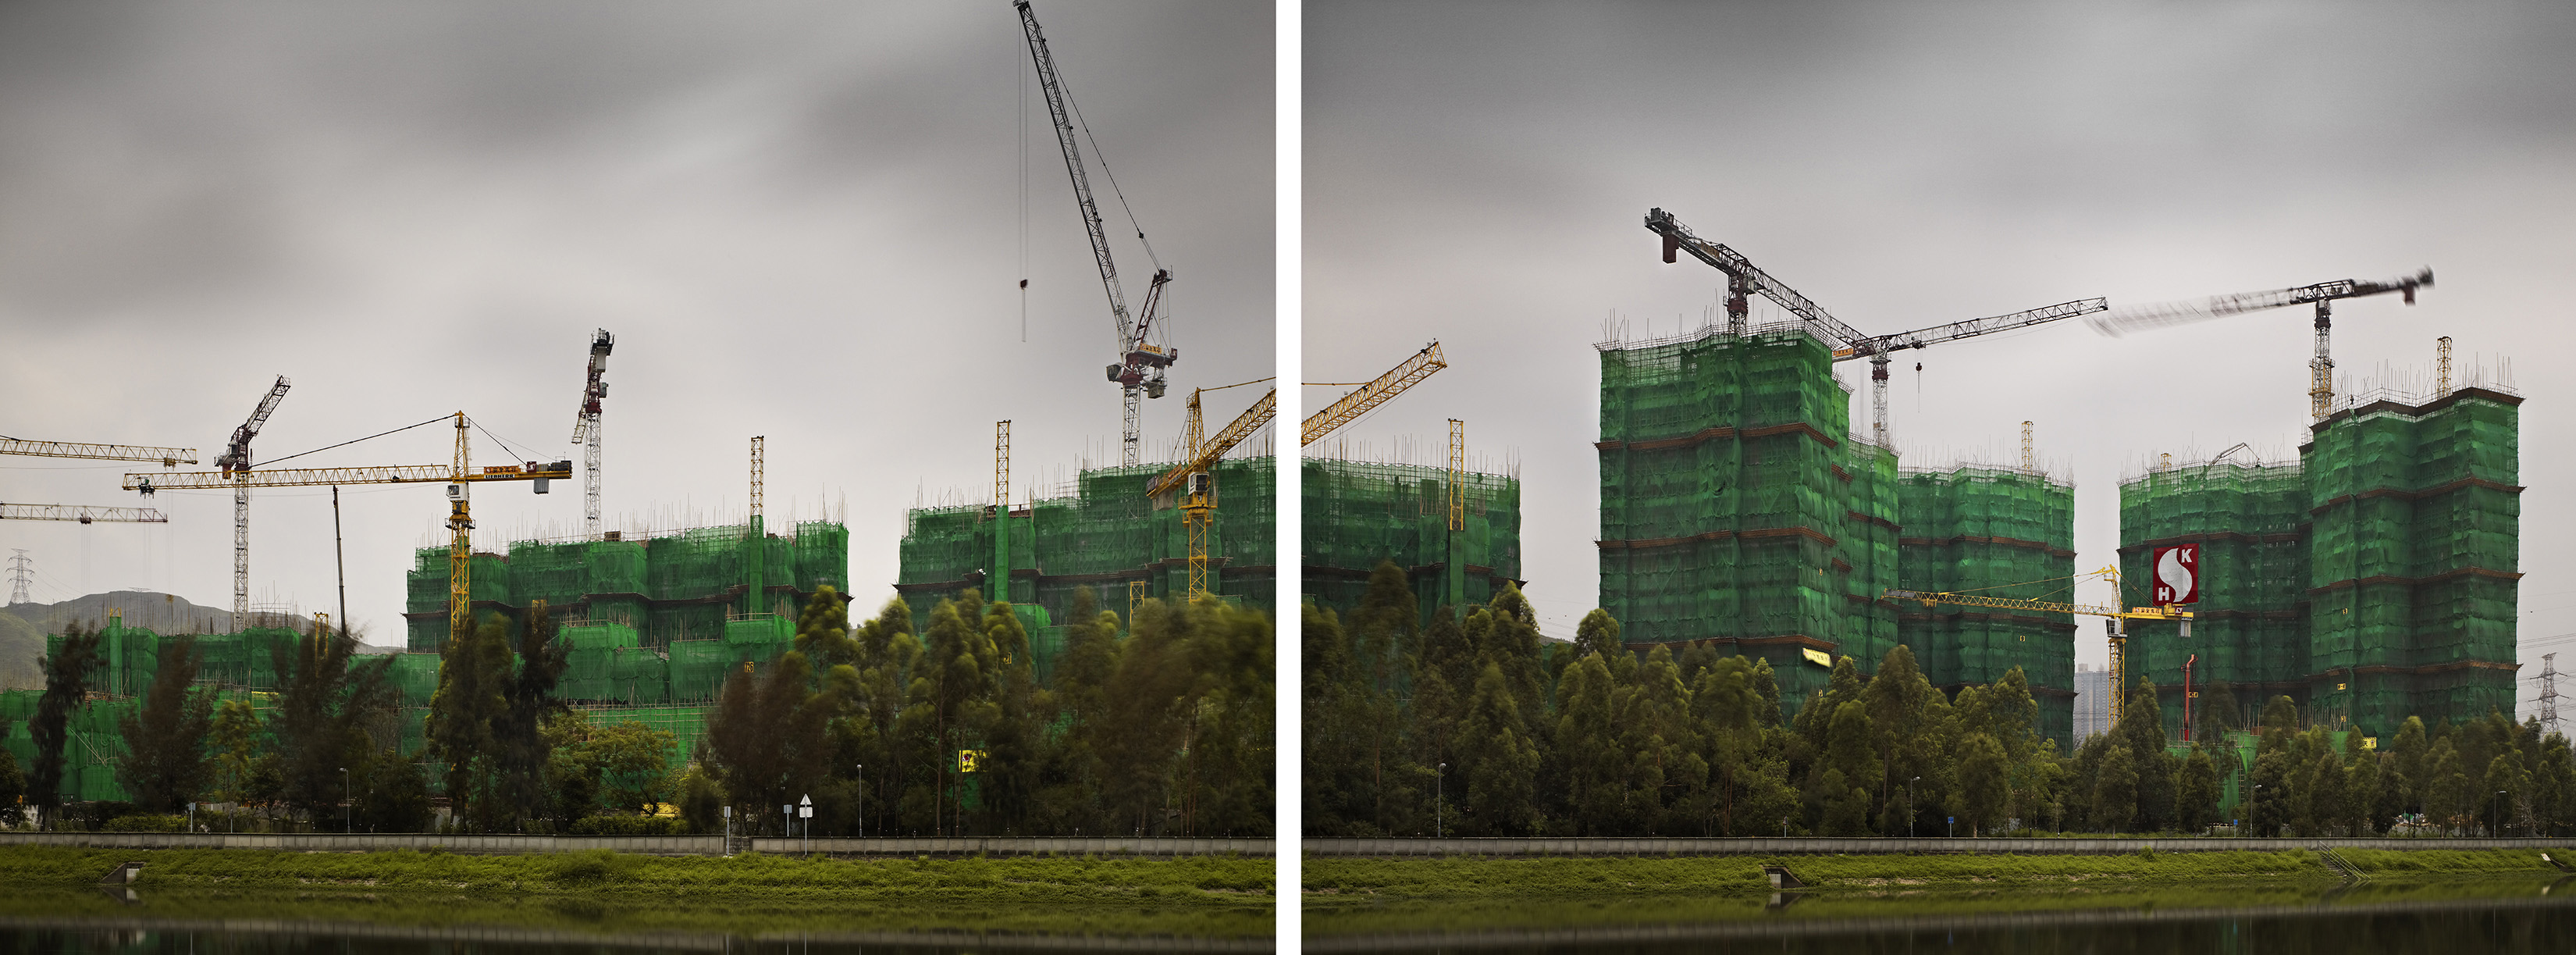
(2373, 580)
(1359, 514)
(1740, 512)
(1105, 538)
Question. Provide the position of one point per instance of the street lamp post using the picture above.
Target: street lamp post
(348, 802)
(2495, 826)
(2251, 802)
(863, 800)
(1440, 803)
(1909, 806)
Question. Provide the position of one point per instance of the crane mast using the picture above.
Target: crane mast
(236, 461)
(1139, 369)
(585, 430)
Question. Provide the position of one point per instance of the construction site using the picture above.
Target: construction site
(654, 622)
(1742, 510)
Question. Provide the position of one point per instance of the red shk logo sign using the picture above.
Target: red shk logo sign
(2177, 574)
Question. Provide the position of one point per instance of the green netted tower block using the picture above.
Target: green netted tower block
(1358, 514)
(1993, 532)
(1737, 510)
(2250, 627)
(682, 586)
(2374, 581)
(1099, 538)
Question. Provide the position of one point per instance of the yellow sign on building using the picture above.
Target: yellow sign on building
(967, 758)
(1818, 657)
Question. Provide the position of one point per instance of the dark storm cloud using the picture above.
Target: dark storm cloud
(1476, 172)
(802, 219)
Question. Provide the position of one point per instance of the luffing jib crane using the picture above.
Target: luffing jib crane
(1139, 370)
(2320, 365)
(2114, 616)
(236, 460)
(1744, 280)
(169, 458)
(458, 476)
(585, 430)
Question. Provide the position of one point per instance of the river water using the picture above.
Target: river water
(2457, 917)
(342, 922)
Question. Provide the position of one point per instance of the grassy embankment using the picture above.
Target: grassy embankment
(1214, 896)
(1344, 896)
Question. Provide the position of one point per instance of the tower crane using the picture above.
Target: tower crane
(1744, 280)
(2116, 617)
(2320, 365)
(169, 458)
(585, 430)
(1195, 477)
(458, 477)
(1139, 370)
(236, 460)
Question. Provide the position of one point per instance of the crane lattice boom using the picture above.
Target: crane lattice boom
(1404, 375)
(81, 513)
(1223, 441)
(169, 457)
(1678, 237)
(2176, 313)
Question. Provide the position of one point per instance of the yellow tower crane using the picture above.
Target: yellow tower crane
(1195, 476)
(169, 458)
(2119, 618)
(457, 475)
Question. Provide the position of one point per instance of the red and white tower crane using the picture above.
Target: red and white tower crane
(1142, 358)
(585, 430)
(235, 462)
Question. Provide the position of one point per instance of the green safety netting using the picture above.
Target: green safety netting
(1994, 532)
(1359, 513)
(1098, 539)
(2372, 581)
(681, 586)
(1737, 507)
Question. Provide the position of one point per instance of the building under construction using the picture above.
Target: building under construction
(1105, 537)
(2370, 581)
(1456, 533)
(652, 626)
(1739, 511)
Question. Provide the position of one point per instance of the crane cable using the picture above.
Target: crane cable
(371, 437)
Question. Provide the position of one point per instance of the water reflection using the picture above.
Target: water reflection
(119, 919)
(160, 939)
(2452, 918)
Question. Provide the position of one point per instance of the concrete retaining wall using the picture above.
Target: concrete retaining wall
(1855, 846)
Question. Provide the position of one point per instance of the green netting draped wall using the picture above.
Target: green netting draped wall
(1994, 532)
(1358, 514)
(1099, 539)
(1736, 508)
(2250, 626)
(2374, 581)
(683, 586)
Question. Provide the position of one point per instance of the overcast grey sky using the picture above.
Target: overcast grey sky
(1478, 172)
(800, 219)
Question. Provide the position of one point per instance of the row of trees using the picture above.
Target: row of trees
(951, 732)
(1472, 726)
(1164, 731)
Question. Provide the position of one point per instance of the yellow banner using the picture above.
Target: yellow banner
(1818, 657)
